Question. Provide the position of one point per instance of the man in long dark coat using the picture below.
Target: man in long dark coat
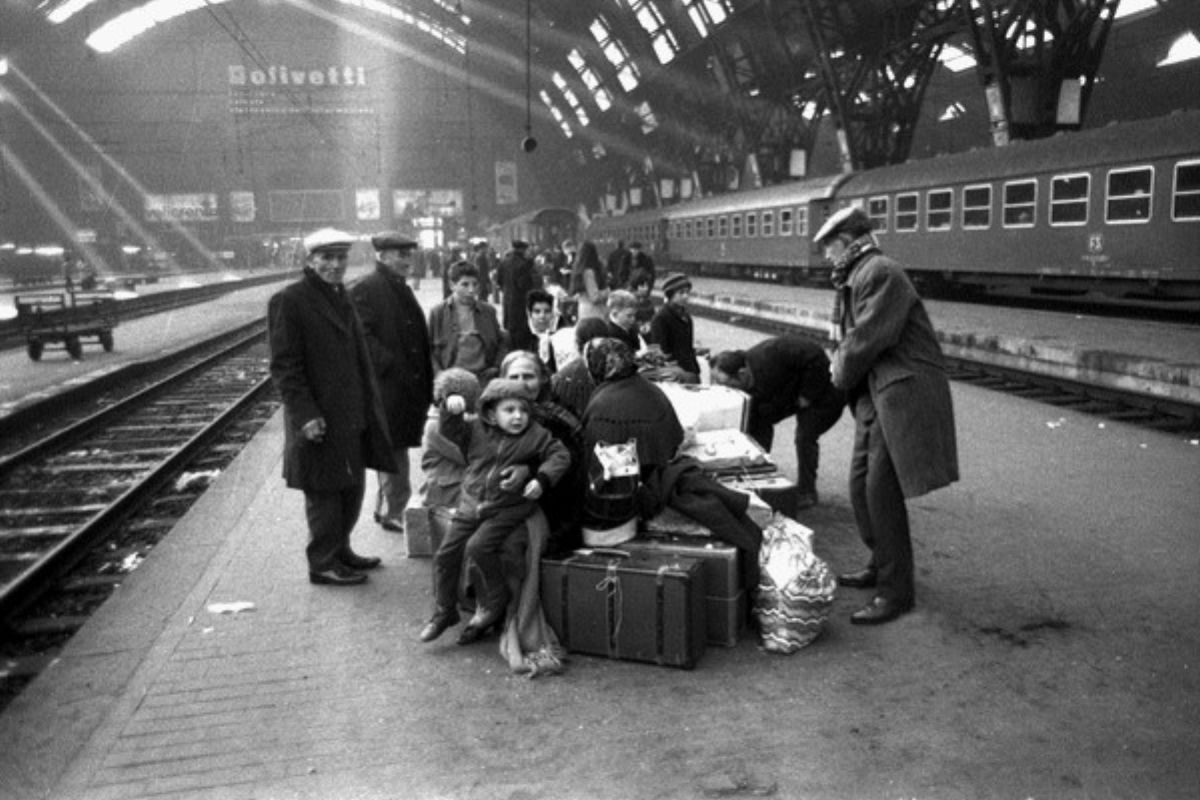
(333, 419)
(398, 341)
(889, 363)
(516, 275)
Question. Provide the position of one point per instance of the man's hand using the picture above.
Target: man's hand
(314, 430)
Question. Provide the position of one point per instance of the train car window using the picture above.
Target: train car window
(723, 226)
(1020, 204)
(785, 222)
(1069, 199)
(1129, 192)
(737, 226)
(802, 221)
(768, 223)
(710, 225)
(1185, 204)
(977, 207)
(906, 212)
(939, 209)
(877, 210)
(751, 225)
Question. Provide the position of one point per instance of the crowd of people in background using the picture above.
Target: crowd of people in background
(530, 361)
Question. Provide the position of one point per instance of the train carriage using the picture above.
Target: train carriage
(1114, 209)
(542, 228)
(765, 234)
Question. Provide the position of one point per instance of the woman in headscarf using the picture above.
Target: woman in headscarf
(627, 406)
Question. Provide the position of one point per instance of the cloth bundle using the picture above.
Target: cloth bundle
(795, 590)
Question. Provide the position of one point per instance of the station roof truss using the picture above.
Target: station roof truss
(721, 94)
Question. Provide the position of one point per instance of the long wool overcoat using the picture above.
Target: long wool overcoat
(398, 342)
(890, 350)
(320, 363)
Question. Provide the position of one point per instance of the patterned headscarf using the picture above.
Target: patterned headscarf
(610, 360)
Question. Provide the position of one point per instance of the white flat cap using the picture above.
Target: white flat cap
(851, 217)
(328, 239)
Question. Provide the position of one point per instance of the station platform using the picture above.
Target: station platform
(1153, 358)
(1052, 655)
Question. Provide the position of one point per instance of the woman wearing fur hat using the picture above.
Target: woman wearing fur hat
(502, 436)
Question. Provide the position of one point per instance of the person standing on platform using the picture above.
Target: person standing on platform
(516, 275)
(398, 341)
(483, 263)
(334, 427)
(463, 330)
(672, 329)
(588, 282)
(890, 365)
(637, 261)
(786, 375)
(614, 265)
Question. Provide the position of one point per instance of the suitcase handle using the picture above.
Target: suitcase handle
(604, 551)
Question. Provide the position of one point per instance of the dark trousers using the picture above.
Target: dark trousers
(481, 540)
(811, 422)
(878, 503)
(331, 516)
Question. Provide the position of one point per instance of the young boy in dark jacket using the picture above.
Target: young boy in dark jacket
(504, 435)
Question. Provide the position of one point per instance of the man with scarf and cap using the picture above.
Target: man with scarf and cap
(334, 429)
(398, 342)
(889, 363)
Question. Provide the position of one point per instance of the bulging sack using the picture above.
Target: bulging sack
(796, 589)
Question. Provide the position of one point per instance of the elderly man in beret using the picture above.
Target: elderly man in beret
(890, 365)
(398, 342)
(334, 428)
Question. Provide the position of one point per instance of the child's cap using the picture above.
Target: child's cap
(503, 389)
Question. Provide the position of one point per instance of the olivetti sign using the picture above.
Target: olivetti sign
(287, 89)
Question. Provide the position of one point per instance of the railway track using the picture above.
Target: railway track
(84, 503)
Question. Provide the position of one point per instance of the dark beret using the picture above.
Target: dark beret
(391, 240)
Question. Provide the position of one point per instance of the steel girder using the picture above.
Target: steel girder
(1037, 61)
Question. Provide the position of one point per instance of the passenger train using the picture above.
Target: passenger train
(543, 229)
(1114, 210)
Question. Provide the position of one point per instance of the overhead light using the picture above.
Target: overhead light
(3, 67)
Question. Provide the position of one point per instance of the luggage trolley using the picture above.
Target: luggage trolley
(65, 319)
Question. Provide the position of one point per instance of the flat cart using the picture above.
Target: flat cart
(66, 319)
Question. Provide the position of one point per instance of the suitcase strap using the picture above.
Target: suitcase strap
(660, 606)
(610, 584)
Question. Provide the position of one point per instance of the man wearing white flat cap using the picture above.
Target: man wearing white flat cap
(889, 363)
(334, 428)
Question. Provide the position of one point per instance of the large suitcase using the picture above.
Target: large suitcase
(724, 595)
(631, 608)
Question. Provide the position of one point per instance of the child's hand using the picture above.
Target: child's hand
(456, 404)
(533, 489)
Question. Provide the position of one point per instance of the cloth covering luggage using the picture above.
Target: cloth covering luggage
(626, 607)
(796, 588)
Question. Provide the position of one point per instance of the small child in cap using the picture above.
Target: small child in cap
(489, 510)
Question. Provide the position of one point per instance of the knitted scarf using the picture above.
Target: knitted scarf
(840, 275)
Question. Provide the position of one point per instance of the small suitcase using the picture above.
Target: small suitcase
(728, 452)
(725, 598)
(648, 609)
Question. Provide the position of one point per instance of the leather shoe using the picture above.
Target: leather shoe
(390, 525)
(356, 562)
(479, 625)
(336, 576)
(438, 624)
(880, 610)
(863, 579)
